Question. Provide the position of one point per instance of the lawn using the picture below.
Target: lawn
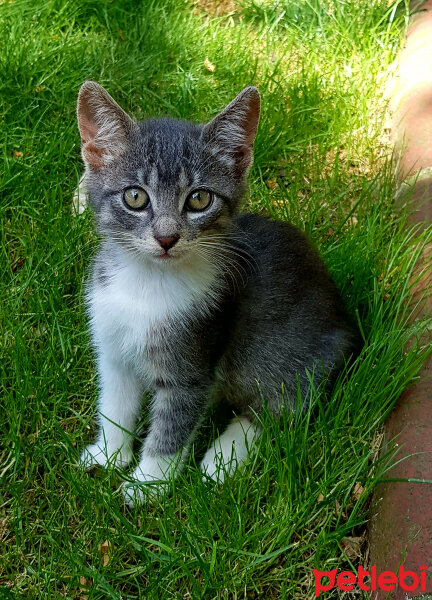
(323, 162)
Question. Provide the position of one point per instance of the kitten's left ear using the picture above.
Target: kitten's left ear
(231, 133)
(103, 125)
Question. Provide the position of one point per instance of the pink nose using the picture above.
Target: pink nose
(168, 242)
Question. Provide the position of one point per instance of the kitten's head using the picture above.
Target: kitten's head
(161, 187)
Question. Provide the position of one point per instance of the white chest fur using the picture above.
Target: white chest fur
(140, 298)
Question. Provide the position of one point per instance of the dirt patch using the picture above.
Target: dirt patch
(216, 8)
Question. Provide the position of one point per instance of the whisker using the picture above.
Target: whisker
(237, 266)
(230, 238)
(233, 250)
(228, 266)
(223, 267)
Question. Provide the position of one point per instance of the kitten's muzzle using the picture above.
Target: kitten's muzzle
(168, 242)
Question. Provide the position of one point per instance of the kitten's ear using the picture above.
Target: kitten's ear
(103, 125)
(231, 133)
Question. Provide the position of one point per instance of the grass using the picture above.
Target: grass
(321, 162)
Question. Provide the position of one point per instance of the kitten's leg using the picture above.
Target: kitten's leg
(119, 403)
(230, 449)
(174, 417)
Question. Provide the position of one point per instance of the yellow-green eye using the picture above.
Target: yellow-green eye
(136, 198)
(198, 200)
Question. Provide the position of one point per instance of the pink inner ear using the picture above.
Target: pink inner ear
(93, 154)
(102, 124)
(88, 128)
(236, 126)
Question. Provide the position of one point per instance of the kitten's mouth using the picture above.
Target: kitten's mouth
(166, 256)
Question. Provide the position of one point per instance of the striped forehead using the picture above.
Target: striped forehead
(157, 179)
(170, 154)
(166, 189)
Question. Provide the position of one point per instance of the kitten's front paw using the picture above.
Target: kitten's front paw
(214, 464)
(148, 480)
(96, 454)
(137, 492)
(230, 449)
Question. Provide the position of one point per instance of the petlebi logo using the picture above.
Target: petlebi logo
(370, 581)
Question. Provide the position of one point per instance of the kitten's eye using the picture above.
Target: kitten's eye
(136, 198)
(199, 200)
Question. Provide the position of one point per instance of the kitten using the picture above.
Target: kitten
(189, 300)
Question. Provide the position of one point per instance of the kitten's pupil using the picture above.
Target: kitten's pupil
(198, 200)
(136, 198)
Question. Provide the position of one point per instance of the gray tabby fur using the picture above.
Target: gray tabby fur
(264, 316)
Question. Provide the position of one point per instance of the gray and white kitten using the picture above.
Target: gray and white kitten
(187, 299)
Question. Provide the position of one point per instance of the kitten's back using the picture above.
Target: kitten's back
(290, 324)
